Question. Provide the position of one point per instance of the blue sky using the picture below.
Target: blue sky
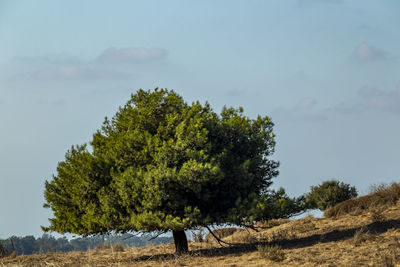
(326, 71)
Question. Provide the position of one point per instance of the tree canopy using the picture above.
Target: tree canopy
(161, 164)
(328, 194)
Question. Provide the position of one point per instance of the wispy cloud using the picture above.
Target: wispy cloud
(367, 100)
(372, 99)
(132, 55)
(106, 66)
(364, 53)
(75, 72)
(304, 110)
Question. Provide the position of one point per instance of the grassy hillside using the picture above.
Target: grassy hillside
(354, 235)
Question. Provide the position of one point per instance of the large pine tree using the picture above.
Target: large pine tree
(161, 164)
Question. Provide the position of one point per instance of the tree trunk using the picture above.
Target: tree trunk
(181, 244)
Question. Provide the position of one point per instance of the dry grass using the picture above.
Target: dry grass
(381, 197)
(117, 247)
(271, 223)
(107, 248)
(274, 253)
(371, 238)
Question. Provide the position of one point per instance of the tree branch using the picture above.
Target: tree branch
(131, 235)
(252, 227)
(157, 235)
(217, 238)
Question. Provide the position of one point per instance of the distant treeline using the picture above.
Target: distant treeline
(48, 243)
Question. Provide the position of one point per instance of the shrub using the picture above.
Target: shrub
(328, 194)
(387, 194)
(274, 253)
(280, 234)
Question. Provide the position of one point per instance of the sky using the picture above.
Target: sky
(326, 71)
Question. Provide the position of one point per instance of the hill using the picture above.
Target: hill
(366, 235)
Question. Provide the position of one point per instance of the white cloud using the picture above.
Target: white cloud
(366, 53)
(371, 98)
(304, 110)
(102, 67)
(368, 100)
(132, 55)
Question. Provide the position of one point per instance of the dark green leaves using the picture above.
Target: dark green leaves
(163, 164)
(328, 194)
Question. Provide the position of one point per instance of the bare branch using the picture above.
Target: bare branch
(252, 227)
(157, 235)
(131, 235)
(217, 238)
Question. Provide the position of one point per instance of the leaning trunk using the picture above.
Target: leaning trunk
(181, 244)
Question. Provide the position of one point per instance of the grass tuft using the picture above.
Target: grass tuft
(274, 253)
(361, 236)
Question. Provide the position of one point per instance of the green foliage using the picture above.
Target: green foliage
(277, 204)
(161, 164)
(29, 244)
(328, 194)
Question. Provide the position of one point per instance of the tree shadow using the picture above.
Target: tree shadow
(335, 235)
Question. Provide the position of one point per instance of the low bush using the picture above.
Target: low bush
(329, 194)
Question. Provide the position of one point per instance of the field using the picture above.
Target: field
(363, 237)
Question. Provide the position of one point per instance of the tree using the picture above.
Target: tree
(3, 251)
(328, 194)
(161, 164)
